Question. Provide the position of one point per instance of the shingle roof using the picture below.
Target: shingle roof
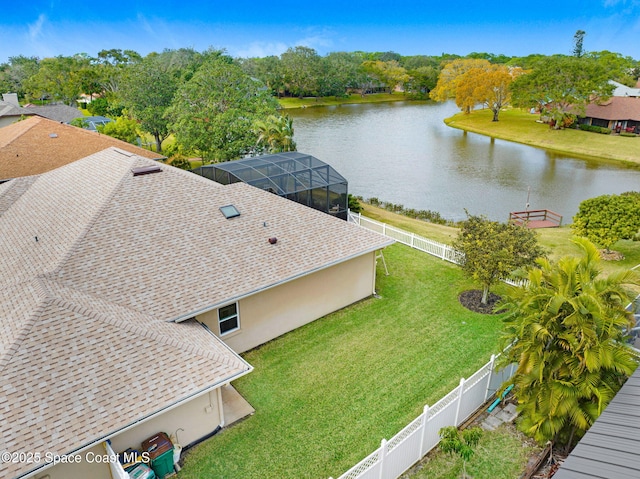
(59, 113)
(9, 109)
(611, 447)
(37, 145)
(87, 339)
(616, 108)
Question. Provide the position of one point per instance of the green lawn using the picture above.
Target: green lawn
(556, 240)
(500, 454)
(521, 127)
(327, 393)
(310, 102)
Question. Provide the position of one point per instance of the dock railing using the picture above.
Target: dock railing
(544, 218)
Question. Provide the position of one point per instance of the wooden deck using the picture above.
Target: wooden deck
(536, 219)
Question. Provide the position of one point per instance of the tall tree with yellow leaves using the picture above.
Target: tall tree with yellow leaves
(450, 84)
(489, 87)
(474, 82)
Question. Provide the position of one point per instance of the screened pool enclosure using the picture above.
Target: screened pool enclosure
(294, 175)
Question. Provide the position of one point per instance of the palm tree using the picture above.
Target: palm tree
(567, 326)
(275, 133)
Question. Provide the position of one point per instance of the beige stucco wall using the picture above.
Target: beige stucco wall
(198, 417)
(273, 312)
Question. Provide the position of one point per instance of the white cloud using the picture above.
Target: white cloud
(35, 29)
(146, 26)
(320, 40)
(261, 50)
(317, 42)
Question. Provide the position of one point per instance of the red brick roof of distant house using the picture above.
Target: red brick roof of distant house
(37, 145)
(616, 108)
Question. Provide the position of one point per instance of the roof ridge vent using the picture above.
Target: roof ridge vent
(146, 170)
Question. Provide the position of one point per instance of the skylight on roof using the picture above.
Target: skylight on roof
(229, 211)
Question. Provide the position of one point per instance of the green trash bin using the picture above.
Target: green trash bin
(160, 451)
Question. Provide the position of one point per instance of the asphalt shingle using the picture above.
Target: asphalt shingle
(88, 338)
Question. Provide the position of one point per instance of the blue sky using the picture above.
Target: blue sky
(246, 28)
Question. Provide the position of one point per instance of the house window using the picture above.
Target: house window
(228, 318)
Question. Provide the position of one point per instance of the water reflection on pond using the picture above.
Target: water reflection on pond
(403, 153)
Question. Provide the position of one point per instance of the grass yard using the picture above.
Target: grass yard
(500, 454)
(310, 102)
(432, 231)
(327, 393)
(556, 240)
(521, 127)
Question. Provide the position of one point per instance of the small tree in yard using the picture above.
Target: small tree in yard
(493, 250)
(608, 218)
(460, 442)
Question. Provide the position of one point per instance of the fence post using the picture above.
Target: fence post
(383, 454)
(412, 238)
(491, 366)
(460, 393)
(425, 420)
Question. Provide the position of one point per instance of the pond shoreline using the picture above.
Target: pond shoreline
(605, 146)
(404, 153)
(528, 131)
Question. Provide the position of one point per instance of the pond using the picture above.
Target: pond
(403, 153)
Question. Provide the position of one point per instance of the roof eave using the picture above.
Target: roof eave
(233, 299)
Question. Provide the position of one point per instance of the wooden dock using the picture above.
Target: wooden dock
(536, 219)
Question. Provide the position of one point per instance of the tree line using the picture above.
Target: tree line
(224, 107)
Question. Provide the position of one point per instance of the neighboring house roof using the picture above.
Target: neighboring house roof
(59, 113)
(616, 108)
(624, 90)
(98, 265)
(9, 109)
(611, 447)
(37, 145)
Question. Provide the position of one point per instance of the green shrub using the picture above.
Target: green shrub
(608, 218)
(124, 129)
(626, 133)
(354, 203)
(596, 129)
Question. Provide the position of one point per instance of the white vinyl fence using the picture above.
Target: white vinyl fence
(440, 250)
(412, 443)
(434, 248)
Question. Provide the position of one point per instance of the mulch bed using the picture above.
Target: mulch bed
(472, 300)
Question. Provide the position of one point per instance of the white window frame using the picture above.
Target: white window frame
(230, 317)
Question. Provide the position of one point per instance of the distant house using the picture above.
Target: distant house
(127, 289)
(11, 111)
(620, 113)
(625, 91)
(617, 113)
(59, 113)
(37, 145)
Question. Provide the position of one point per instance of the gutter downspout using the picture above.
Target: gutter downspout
(220, 407)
